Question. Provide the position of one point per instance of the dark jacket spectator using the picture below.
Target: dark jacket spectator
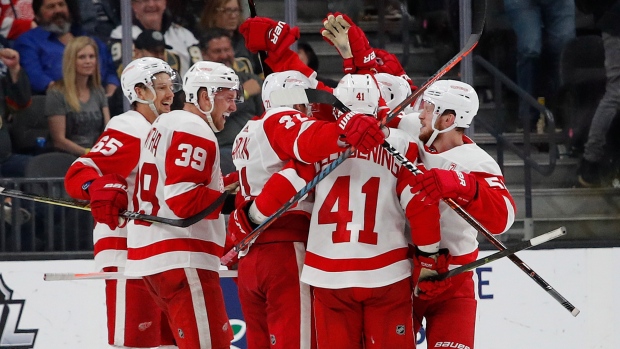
(152, 15)
(41, 48)
(14, 94)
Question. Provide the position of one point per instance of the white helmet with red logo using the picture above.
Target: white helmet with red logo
(213, 77)
(452, 95)
(394, 89)
(282, 80)
(142, 71)
(359, 92)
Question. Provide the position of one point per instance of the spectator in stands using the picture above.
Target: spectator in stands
(99, 17)
(41, 48)
(542, 28)
(607, 18)
(76, 106)
(151, 14)
(15, 94)
(216, 46)
(228, 15)
(187, 13)
(150, 43)
(16, 18)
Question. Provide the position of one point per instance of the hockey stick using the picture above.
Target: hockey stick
(261, 54)
(487, 234)
(320, 96)
(501, 254)
(469, 46)
(83, 205)
(111, 276)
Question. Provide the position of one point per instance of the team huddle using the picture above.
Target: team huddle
(349, 265)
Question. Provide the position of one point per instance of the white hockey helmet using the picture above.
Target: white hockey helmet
(282, 80)
(213, 77)
(394, 89)
(359, 92)
(452, 95)
(143, 71)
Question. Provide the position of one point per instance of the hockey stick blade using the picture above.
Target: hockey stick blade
(488, 235)
(84, 205)
(111, 276)
(469, 46)
(501, 254)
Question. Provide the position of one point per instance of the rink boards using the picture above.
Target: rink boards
(513, 311)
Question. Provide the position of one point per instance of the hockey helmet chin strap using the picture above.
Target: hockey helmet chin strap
(436, 132)
(151, 103)
(208, 113)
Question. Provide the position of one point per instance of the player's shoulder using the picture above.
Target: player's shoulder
(472, 158)
(183, 121)
(130, 122)
(279, 112)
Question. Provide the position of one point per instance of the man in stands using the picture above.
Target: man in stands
(41, 48)
(151, 14)
(106, 176)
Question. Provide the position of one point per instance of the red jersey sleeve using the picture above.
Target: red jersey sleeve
(493, 205)
(189, 169)
(283, 185)
(423, 218)
(115, 152)
(293, 135)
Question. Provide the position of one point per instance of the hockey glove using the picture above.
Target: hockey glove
(360, 131)
(335, 33)
(438, 184)
(108, 197)
(239, 223)
(426, 265)
(265, 34)
(364, 56)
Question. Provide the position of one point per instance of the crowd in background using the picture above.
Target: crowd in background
(70, 52)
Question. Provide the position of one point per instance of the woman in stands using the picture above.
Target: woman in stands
(76, 106)
(228, 15)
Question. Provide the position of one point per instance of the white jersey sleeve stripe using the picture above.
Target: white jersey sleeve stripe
(90, 163)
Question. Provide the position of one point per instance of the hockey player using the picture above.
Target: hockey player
(454, 167)
(356, 257)
(179, 175)
(105, 176)
(276, 306)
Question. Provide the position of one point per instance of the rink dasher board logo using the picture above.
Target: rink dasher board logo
(11, 336)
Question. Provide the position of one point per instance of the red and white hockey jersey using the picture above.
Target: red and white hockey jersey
(493, 206)
(358, 220)
(117, 151)
(179, 175)
(265, 145)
